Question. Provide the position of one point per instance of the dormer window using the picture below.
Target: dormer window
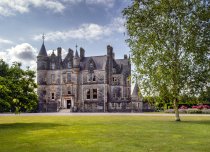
(114, 79)
(53, 66)
(91, 77)
(69, 65)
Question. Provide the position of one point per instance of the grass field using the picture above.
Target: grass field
(104, 134)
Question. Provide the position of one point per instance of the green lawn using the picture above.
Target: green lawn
(104, 134)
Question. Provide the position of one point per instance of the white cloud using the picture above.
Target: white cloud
(89, 31)
(118, 25)
(11, 7)
(24, 53)
(85, 31)
(107, 3)
(4, 41)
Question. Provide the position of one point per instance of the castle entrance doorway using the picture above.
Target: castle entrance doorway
(68, 104)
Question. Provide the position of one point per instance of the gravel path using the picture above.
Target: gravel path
(99, 114)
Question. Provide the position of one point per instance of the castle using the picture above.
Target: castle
(85, 84)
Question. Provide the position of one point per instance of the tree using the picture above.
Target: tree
(169, 41)
(17, 89)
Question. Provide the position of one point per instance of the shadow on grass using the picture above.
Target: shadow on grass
(29, 126)
(197, 122)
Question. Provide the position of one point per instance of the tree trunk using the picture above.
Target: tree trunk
(177, 118)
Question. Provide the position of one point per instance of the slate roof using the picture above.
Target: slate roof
(76, 54)
(100, 62)
(42, 51)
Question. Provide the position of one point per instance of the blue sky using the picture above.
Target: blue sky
(91, 24)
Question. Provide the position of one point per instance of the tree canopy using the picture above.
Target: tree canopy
(169, 41)
(17, 88)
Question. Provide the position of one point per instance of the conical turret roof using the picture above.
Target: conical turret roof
(76, 54)
(135, 92)
(43, 51)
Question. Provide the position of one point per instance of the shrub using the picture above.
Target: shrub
(192, 111)
(206, 111)
(201, 107)
(169, 111)
(182, 110)
(183, 107)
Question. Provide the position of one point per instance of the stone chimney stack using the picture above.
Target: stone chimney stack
(109, 51)
(82, 53)
(59, 49)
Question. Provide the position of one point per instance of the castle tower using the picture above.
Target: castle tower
(76, 60)
(42, 57)
(137, 104)
(42, 67)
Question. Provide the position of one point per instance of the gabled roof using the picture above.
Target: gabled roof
(42, 51)
(100, 62)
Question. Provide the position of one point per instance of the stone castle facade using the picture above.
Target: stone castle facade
(85, 84)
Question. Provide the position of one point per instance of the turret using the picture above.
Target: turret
(135, 93)
(42, 58)
(76, 60)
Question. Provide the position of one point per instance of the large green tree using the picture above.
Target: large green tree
(169, 41)
(17, 88)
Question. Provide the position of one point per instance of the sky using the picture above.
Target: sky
(91, 24)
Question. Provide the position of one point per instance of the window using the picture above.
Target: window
(119, 105)
(94, 93)
(114, 79)
(94, 78)
(53, 96)
(68, 77)
(69, 65)
(52, 78)
(88, 94)
(69, 92)
(53, 66)
(91, 77)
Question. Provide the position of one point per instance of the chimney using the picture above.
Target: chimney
(59, 52)
(109, 51)
(125, 56)
(71, 52)
(82, 53)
